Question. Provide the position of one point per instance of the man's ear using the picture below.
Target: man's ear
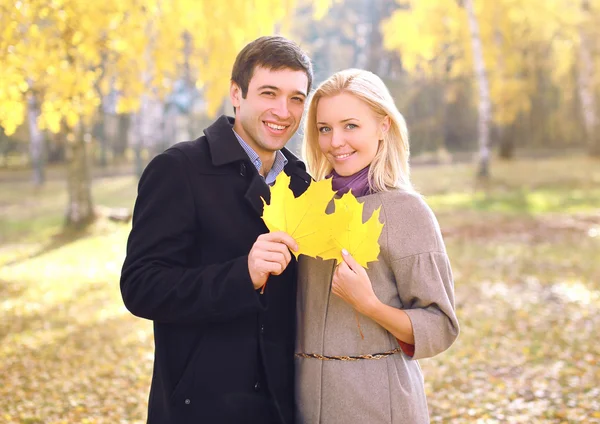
(235, 94)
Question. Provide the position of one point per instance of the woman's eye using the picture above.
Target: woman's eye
(324, 130)
(351, 126)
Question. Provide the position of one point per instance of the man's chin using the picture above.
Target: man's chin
(276, 143)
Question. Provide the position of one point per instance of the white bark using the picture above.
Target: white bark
(485, 107)
(36, 140)
(586, 89)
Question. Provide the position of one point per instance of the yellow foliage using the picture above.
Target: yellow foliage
(73, 52)
(317, 233)
(358, 238)
(516, 35)
(304, 217)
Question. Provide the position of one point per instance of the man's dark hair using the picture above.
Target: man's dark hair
(273, 53)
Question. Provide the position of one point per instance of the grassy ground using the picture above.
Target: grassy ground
(526, 259)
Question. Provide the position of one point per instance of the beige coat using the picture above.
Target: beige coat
(413, 273)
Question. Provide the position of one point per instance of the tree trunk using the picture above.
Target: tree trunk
(484, 107)
(375, 41)
(102, 137)
(36, 141)
(80, 211)
(506, 140)
(121, 142)
(167, 133)
(138, 160)
(586, 89)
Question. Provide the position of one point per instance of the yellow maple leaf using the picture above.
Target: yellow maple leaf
(317, 233)
(358, 238)
(302, 217)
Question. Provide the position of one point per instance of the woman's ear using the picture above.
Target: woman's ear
(386, 123)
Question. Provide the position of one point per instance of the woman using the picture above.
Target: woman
(361, 331)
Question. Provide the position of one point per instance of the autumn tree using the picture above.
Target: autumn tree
(60, 58)
(532, 51)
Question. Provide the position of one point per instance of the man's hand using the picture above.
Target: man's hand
(269, 255)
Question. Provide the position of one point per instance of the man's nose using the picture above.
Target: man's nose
(281, 110)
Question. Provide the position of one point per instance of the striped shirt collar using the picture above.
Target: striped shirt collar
(278, 165)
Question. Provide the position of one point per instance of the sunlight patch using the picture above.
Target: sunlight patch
(575, 292)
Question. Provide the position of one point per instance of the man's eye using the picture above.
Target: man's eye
(298, 99)
(269, 93)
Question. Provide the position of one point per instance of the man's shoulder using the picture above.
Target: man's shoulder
(196, 151)
(191, 146)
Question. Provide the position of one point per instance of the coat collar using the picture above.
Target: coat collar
(225, 149)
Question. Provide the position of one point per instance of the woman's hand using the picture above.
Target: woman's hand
(352, 284)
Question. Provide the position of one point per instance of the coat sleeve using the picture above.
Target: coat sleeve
(426, 290)
(156, 282)
(422, 273)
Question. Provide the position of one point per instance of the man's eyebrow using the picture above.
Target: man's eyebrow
(272, 87)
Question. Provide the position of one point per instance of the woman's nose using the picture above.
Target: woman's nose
(337, 139)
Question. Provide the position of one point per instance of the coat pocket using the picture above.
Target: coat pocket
(187, 377)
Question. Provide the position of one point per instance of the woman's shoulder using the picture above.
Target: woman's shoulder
(407, 204)
(409, 221)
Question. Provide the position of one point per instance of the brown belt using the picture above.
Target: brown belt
(348, 358)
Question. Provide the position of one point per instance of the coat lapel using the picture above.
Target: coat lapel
(225, 149)
(257, 190)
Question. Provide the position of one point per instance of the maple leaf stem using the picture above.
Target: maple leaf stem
(262, 289)
(362, 336)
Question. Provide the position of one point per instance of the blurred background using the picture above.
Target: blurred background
(502, 100)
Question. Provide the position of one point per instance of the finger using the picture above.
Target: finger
(274, 256)
(275, 268)
(344, 270)
(280, 248)
(334, 287)
(337, 274)
(335, 279)
(261, 247)
(282, 237)
(350, 261)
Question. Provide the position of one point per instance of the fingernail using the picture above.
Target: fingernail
(344, 252)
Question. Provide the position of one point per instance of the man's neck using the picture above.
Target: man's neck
(266, 162)
(267, 158)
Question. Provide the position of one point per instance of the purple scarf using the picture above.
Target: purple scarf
(358, 183)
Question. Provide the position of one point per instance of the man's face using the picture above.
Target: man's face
(271, 112)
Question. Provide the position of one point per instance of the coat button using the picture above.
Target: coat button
(257, 386)
(243, 170)
(187, 401)
(262, 329)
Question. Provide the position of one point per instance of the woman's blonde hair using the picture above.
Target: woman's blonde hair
(389, 169)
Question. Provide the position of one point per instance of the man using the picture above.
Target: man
(199, 254)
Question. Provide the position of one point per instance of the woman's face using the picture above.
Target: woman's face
(349, 132)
